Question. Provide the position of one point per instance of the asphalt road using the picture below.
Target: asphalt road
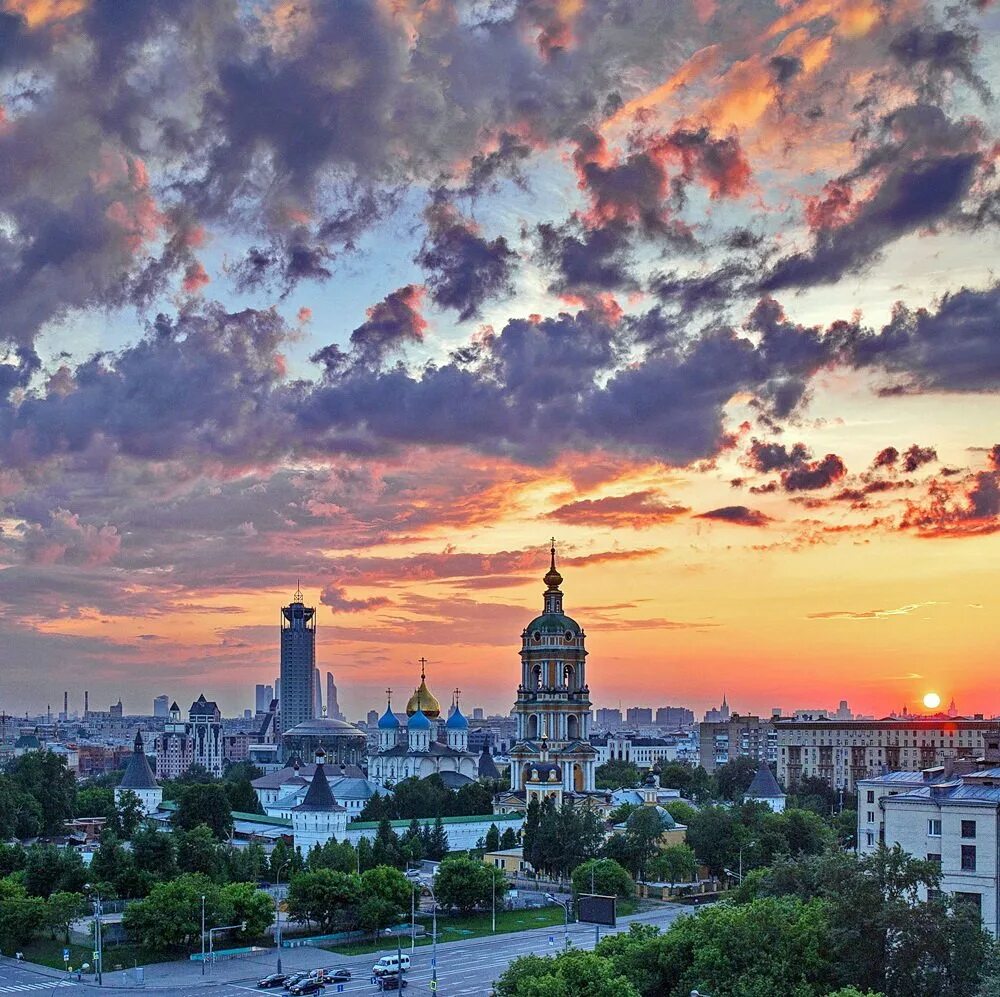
(463, 968)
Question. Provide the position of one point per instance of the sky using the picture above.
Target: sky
(377, 297)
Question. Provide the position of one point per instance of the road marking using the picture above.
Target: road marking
(51, 984)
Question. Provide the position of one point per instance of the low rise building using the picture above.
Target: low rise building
(643, 752)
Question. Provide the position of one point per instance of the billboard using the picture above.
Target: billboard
(595, 909)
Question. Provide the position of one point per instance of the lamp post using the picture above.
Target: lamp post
(98, 940)
(277, 908)
(493, 884)
(413, 917)
(553, 899)
(211, 937)
(399, 953)
(203, 934)
(434, 937)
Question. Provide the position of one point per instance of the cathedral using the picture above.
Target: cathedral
(422, 744)
(552, 757)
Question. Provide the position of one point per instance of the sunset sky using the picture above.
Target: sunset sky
(382, 295)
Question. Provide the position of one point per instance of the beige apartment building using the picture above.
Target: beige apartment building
(843, 752)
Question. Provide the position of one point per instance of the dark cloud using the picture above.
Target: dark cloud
(636, 510)
(587, 260)
(940, 51)
(813, 475)
(739, 515)
(765, 457)
(464, 269)
(917, 456)
(392, 324)
(886, 457)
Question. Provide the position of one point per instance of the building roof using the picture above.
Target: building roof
(419, 721)
(203, 707)
(28, 741)
(319, 796)
(487, 767)
(275, 780)
(138, 774)
(455, 780)
(170, 806)
(497, 819)
(764, 785)
(323, 727)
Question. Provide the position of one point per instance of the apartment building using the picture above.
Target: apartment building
(843, 752)
(951, 820)
(722, 741)
(643, 752)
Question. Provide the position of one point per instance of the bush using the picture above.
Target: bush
(605, 877)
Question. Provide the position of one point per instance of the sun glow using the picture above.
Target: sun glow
(932, 700)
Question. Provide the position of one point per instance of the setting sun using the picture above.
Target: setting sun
(932, 700)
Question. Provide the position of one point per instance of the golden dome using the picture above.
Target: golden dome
(423, 699)
(552, 577)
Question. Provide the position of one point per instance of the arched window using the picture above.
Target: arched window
(569, 677)
(533, 726)
(537, 672)
(572, 727)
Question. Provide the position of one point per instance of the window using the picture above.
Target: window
(871, 816)
(968, 828)
(934, 828)
(871, 795)
(870, 838)
(934, 857)
(975, 899)
(969, 858)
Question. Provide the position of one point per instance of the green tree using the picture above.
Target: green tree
(604, 877)
(328, 898)
(113, 870)
(466, 884)
(616, 774)
(571, 974)
(675, 864)
(198, 851)
(243, 902)
(61, 909)
(204, 803)
(385, 896)
(285, 862)
(386, 848)
(622, 812)
(681, 812)
(13, 858)
(734, 778)
(44, 776)
(714, 834)
(42, 870)
(692, 781)
(21, 916)
(241, 796)
(492, 841)
(643, 832)
(155, 852)
(437, 846)
(169, 918)
(129, 813)
(95, 801)
(20, 812)
(509, 838)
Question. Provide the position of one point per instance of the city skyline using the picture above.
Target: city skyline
(707, 293)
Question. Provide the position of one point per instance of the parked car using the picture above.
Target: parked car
(341, 975)
(392, 981)
(274, 980)
(390, 964)
(310, 985)
(293, 979)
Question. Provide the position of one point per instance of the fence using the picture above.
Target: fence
(221, 955)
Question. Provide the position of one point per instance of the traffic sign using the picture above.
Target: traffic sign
(65, 955)
(340, 988)
(434, 985)
(97, 955)
(552, 939)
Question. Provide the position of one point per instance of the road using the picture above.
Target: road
(463, 968)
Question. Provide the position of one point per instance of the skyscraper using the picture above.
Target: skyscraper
(332, 706)
(317, 695)
(263, 694)
(161, 706)
(298, 662)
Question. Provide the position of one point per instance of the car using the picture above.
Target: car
(392, 981)
(294, 979)
(390, 964)
(274, 980)
(310, 985)
(341, 975)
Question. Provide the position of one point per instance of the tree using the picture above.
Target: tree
(61, 909)
(155, 852)
(129, 813)
(643, 832)
(243, 902)
(734, 778)
(616, 774)
(492, 841)
(204, 803)
(95, 801)
(622, 813)
(385, 895)
(286, 861)
(509, 838)
(113, 870)
(198, 851)
(713, 834)
(170, 917)
(386, 849)
(338, 855)
(44, 776)
(571, 974)
(675, 864)
(241, 796)
(437, 846)
(466, 884)
(604, 877)
(692, 781)
(328, 898)
(20, 812)
(21, 916)
(563, 838)
(13, 858)
(681, 812)
(42, 870)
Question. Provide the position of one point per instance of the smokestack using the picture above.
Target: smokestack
(86, 702)
(66, 705)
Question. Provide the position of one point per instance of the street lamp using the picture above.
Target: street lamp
(211, 937)
(98, 938)
(553, 899)
(277, 908)
(203, 934)
(434, 936)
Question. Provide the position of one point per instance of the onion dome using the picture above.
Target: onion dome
(422, 699)
(418, 721)
(388, 720)
(552, 577)
(457, 721)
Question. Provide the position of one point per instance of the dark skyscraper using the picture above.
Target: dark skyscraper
(317, 694)
(298, 663)
(332, 706)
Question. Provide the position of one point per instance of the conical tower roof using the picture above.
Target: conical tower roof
(764, 785)
(319, 796)
(138, 774)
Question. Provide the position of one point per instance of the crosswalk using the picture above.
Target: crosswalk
(17, 988)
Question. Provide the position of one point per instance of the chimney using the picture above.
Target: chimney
(86, 702)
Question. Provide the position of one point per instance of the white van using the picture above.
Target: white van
(390, 964)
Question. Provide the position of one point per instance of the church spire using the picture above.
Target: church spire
(552, 579)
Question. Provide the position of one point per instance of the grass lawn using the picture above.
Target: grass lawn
(455, 929)
(49, 952)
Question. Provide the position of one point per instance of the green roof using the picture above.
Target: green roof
(239, 815)
(475, 818)
(553, 623)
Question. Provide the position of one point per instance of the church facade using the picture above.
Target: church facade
(552, 756)
(422, 743)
